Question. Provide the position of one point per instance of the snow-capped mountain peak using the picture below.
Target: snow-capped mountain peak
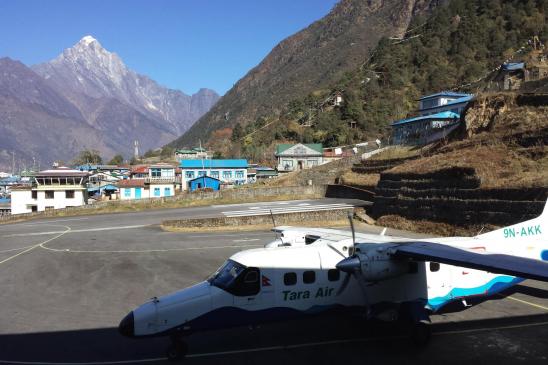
(87, 40)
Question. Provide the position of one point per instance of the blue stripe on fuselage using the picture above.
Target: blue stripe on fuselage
(494, 286)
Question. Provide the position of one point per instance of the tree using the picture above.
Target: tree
(237, 133)
(88, 157)
(117, 160)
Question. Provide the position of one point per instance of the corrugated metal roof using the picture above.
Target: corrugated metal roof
(511, 66)
(129, 183)
(437, 116)
(212, 164)
(465, 99)
(318, 147)
(444, 93)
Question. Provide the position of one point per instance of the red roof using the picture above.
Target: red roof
(139, 169)
(131, 183)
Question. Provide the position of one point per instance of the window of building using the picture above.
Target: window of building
(127, 193)
(156, 172)
(34, 208)
(288, 163)
(34, 194)
(201, 173)
(309, 277)
(156, 191)
(168, 173)
(434, 266)
(227, 175)
(290, 278)
(189, 174)
(239, 174)
(167, 191)
(214, 174)
(69, 194)
(333, 275)
(49, 194)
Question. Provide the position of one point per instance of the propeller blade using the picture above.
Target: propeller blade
(349, 264)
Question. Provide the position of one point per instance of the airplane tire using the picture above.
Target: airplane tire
(177, 350)
(420, 333)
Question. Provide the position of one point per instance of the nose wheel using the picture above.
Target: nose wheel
(177, 350)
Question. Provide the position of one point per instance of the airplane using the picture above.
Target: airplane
(312, 271)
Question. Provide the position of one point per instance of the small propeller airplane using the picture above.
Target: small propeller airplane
(312, 271)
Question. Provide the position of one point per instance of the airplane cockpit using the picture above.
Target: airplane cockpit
(236, 279)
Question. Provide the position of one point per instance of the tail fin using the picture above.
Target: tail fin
(534, 229)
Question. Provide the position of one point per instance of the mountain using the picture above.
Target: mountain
(34, 118)
(87, 98)
(308, 60)
(87, 70)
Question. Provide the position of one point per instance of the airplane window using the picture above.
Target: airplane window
(434, 266)
(309, 277)
(226, 275)
(290, 278)
(251, 277)
(333, 275)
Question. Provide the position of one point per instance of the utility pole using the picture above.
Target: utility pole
(13, 163)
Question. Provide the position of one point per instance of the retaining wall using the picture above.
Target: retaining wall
(454, 196)
(261, 220)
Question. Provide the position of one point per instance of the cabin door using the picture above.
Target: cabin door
(439, 280)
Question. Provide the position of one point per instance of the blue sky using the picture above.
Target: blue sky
(181, 44)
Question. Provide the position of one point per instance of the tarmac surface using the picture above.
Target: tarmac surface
(66, 283)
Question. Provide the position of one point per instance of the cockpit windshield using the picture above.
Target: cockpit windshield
(226, 276)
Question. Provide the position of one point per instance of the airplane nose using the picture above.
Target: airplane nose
(126, 327)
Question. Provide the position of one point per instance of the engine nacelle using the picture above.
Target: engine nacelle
(376, 264)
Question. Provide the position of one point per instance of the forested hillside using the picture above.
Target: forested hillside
(454, 47)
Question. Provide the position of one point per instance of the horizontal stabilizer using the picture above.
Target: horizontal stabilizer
(491, 262)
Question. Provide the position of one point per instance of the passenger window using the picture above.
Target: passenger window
(434, 266)
(290, 278)
(333, 275)
(309, 277)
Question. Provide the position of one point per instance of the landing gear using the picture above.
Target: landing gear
(420, 333)
(177, 350)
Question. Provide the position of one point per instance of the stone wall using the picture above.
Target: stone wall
(299, 218)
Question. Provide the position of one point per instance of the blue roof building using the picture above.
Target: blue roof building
(204, 182)
(438, 115)
(232, 171)
(424, 129)
(443, 101)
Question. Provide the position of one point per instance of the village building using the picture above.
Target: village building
(193, 153)
(153, 181)
(438, 115)
(229, 172)
(295, 157)
(204, 182)
(263, 173)
(50, 189)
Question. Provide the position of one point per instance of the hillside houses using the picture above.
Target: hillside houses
(438, 115)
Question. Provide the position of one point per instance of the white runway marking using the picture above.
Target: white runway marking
(290, 209)
(68, 250)
(54, 221)
(34, 246)
(280, 347)
(76, 231)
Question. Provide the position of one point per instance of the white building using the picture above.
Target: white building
(154, 181)
(300, 156)
(232, 172)
(50, 189)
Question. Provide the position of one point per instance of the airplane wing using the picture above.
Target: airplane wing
(491, 262)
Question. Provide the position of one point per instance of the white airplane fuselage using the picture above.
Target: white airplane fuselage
(279, 283)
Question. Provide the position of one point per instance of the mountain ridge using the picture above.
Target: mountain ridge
(310, 59)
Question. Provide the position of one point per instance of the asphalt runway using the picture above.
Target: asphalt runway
(67, 282)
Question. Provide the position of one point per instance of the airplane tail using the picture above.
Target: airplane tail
(532, 230)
